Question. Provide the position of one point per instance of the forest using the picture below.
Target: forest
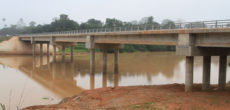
(64, 23)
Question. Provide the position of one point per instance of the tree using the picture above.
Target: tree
(168, 24)
(113, 22)
(4, 21)
(21, 24)
(147, 20)
(91, 23)
(62, 24)
(32, 24)
(149, 23)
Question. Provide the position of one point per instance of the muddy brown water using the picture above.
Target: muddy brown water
(27, 81)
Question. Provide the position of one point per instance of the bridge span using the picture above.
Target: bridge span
(206, 38)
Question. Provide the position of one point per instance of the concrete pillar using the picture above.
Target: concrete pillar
(206, 73)
(72, 52)
(33, 49)
(104, 80)
(34, 63)
(54, 53)
(116, 80)
(63, 51)
(116, 59)
(104, 60)
(92, 60)
(41, 61)
(48, 62)
(92, 78)
(54, 71)
(41, 49)
(189, 73)
(222, 72)
(48, 49)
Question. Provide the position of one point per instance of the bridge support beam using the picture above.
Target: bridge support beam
(206, 73)
(222, 72)
(189, 73)
(41, 50)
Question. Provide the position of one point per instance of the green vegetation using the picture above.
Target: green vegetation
(4, 38)
(80, 47)
(64, 23)
(3, 106)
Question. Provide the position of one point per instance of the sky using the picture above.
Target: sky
(43, 11)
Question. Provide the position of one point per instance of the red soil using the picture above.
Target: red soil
(162, 97)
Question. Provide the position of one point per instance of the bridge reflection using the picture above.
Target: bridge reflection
(59, 75)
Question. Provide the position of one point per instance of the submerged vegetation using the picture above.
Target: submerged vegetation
(64, 23)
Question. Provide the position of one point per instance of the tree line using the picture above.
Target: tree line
(64, 23)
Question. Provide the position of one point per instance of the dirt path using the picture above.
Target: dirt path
(163, 97)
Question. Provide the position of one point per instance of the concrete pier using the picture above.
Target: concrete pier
(92, 81)
(54, 53)
(48, 50)
(206, 73)
(72, 52)
(189, 73)
(222, 72)
(63, 51)
(33, 49)
(104, 80)
(104, 60)
(116, 60)
(41, 50)
(92, 60)
(41, 61)
(116, 79)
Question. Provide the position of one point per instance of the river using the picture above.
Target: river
(27, 81)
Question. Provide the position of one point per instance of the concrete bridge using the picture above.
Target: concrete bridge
(205, 38)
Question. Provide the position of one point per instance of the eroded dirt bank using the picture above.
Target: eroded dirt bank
(14, 46)
(163, 97)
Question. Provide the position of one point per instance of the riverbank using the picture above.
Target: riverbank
(162, 97)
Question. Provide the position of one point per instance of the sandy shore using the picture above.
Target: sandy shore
(162, 97)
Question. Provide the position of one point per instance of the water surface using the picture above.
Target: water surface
(26, 81)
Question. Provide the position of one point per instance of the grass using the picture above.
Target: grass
(145, 106)
(4, 38)
(3, 106)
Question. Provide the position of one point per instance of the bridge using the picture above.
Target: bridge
(204, 38)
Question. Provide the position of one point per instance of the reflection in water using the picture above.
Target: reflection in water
(60, 77)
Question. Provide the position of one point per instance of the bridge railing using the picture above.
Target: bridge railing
(142, 27)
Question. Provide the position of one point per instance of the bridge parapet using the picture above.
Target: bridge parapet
(189, 27)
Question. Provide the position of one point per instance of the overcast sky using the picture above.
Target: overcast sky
(43, 11)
